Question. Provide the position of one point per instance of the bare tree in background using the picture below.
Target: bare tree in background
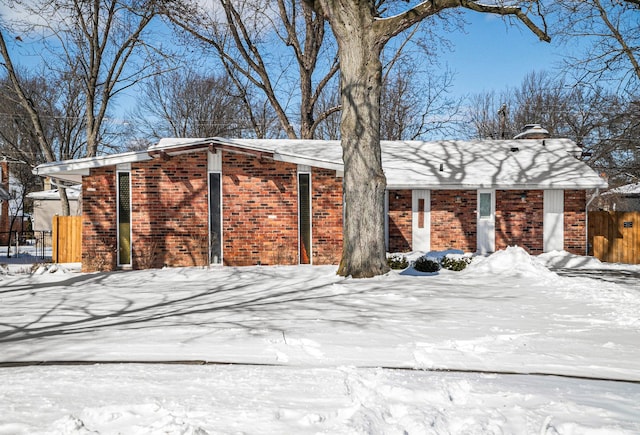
(416, 107)
(541, 98)
(244, 34)
(185, 103)
(58, 105)
(101, 42)
(91, 52)
(329, 129)
(616, 152)
(606, 34)
(609, 31)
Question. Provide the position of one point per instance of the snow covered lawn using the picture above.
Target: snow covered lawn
(339, 353)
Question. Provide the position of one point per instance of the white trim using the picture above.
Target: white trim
(307, 161)
(83, 165)
(486, 226)
(421, 237)
(214, 161)
(553, 220)
(386, 219)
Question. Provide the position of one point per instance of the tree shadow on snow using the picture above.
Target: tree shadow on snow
(251, 299)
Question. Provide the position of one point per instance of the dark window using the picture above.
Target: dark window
(215, 219)
(124, 219)
(304, 212)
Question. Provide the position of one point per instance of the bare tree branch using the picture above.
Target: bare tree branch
(390, 27)
(25, 101)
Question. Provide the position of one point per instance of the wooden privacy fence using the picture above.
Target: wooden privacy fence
(615, 236)
(67, 239)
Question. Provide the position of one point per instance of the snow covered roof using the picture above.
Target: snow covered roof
(73, 192)
(627, 189)
(501, 164)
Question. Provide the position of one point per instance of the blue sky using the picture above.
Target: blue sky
(490, 54)
(493, 55)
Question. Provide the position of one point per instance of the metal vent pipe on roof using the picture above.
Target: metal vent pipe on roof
(533, 131)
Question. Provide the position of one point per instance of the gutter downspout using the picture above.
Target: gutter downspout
(595, 194)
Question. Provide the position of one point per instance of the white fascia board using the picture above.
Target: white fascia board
(74, 170)
(172, 142)
(550, 186)
(316, 163)
(176, 146)
(263, 146)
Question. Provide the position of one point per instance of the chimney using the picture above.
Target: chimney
(533, 131)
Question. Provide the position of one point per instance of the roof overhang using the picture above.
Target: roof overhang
(308, 161)
(72, 171)
(500, 186)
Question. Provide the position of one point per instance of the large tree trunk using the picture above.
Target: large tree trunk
(364, 184)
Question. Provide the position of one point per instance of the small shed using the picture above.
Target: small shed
(623, 198)
(47, 204)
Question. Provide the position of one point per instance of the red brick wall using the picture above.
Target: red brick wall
(326, 209)
(400, 217)
(575, 221)
(260, 211)
(519, 222)
(99, 233)
(170, 212)
(260, 215)
(453, 220)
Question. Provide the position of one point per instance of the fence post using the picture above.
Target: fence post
(54, 239)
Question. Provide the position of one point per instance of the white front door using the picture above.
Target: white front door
(553, 221)
(421, 220)
(486, 213)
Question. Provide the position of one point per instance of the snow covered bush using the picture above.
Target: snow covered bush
(455, 263)
(397, 261)
(426, 264)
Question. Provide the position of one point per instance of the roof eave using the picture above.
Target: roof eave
(506, 186)
(308, 161)
(80, 167)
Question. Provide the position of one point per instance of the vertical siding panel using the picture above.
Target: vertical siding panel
(67, 239)
(611, 241)
(553, 226)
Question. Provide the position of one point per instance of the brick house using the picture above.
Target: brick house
(186, 202)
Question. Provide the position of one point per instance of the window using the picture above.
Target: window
(215, 218)
(485, 206)
(124, 219)
(421, 213)
(304, 217)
